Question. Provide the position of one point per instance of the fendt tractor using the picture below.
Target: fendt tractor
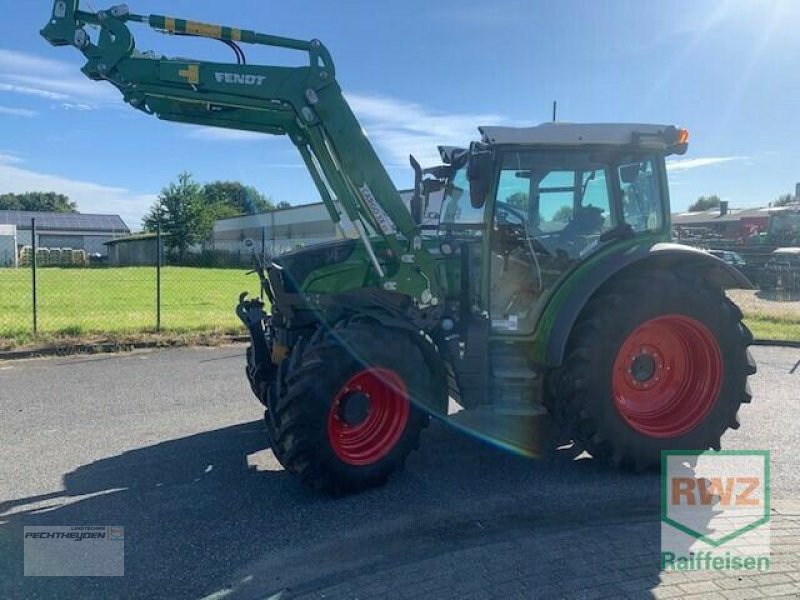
(526, 292)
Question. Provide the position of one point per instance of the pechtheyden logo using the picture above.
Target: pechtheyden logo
(74, 551)
(715, 510)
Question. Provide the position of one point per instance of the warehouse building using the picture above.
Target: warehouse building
(286, 229)
(279, 230)
(77, 231)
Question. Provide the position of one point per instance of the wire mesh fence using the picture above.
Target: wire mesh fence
(145, 291)
(137, 289)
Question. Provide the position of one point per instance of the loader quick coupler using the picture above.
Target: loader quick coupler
(251, 313)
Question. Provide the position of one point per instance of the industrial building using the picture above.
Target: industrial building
(731, 223)
(286, 229)
(76, 231)
(279, 230)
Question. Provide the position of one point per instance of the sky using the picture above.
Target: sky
(419, 74)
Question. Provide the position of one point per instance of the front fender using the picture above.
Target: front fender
(566, 304)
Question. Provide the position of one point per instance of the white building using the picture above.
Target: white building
(8, 245)
(77, 231)
(287, 229)
(280, 230)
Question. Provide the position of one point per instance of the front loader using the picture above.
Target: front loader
(526, 293)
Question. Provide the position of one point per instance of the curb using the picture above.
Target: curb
(778, 343)
(108, 347)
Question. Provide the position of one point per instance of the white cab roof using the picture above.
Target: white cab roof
(580, 134)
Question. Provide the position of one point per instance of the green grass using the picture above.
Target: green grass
(765, 327)
(77, 302)
(121, 302)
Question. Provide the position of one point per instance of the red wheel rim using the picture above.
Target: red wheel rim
(667, 376)
(385, 397)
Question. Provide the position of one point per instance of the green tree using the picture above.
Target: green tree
(180, 210)
(562, 215)
(242, 199)
(705, 203)
(38, 201)
(784, 199)
(518, 200)
(283, 204)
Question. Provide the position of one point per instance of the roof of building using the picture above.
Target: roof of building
(581, 134)
(135, 237)
(707, 217)
(56, 221)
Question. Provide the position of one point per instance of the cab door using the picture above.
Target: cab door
(549, 212)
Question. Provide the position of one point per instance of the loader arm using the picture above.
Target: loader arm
(305, 103)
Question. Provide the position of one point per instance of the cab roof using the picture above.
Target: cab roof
(665, 138)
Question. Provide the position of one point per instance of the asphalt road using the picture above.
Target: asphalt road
(170, 445)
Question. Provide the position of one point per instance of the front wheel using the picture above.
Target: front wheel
(655, 362)
(344, 415)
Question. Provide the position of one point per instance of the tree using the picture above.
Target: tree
(283, 204)
(518, 200)
(784, 199)
(242, 199)
(705, 203)
(180, 209)
(38, 201)
(562, 215)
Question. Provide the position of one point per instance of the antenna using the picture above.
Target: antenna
(555, 110)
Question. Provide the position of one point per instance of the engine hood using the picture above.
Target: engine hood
(299, 264)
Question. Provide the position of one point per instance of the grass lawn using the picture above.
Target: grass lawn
(121, 300)
(81, 302)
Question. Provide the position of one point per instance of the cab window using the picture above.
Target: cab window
(641, 197)
(456, 206)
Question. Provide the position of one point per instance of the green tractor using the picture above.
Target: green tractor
(526, 292)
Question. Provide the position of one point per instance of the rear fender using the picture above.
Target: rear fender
(566, 304)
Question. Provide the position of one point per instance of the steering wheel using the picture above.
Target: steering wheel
(519, 230)
(509, 210)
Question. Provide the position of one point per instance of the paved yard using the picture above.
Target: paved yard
(169, 444)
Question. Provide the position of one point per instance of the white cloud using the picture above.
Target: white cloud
(400, 128)
(77, 106)
(219, 134)
(91, 197)
(17, 112)
(30, 91)
(685, 164)
(20, 61)
(74, 87)
(396, 128)
(9, 159)
(31, 75)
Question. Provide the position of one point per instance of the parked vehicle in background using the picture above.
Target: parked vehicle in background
(782, 270)
(732, 258)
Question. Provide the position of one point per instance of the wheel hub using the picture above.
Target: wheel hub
(643, 367)
(354, 408)
(667, 376)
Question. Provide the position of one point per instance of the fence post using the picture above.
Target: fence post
(158, 276)
(33, 277)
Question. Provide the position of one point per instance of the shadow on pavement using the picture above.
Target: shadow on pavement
(199, 519)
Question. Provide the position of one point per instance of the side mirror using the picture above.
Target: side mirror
(479, 173)
(629, 173)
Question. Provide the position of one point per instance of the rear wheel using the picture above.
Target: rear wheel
(343, 417)
(655, 362)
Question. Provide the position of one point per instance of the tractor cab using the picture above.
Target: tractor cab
(532, 204)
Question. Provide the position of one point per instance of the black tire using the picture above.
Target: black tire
(582, 391)
(310, 380)
(261, 376)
